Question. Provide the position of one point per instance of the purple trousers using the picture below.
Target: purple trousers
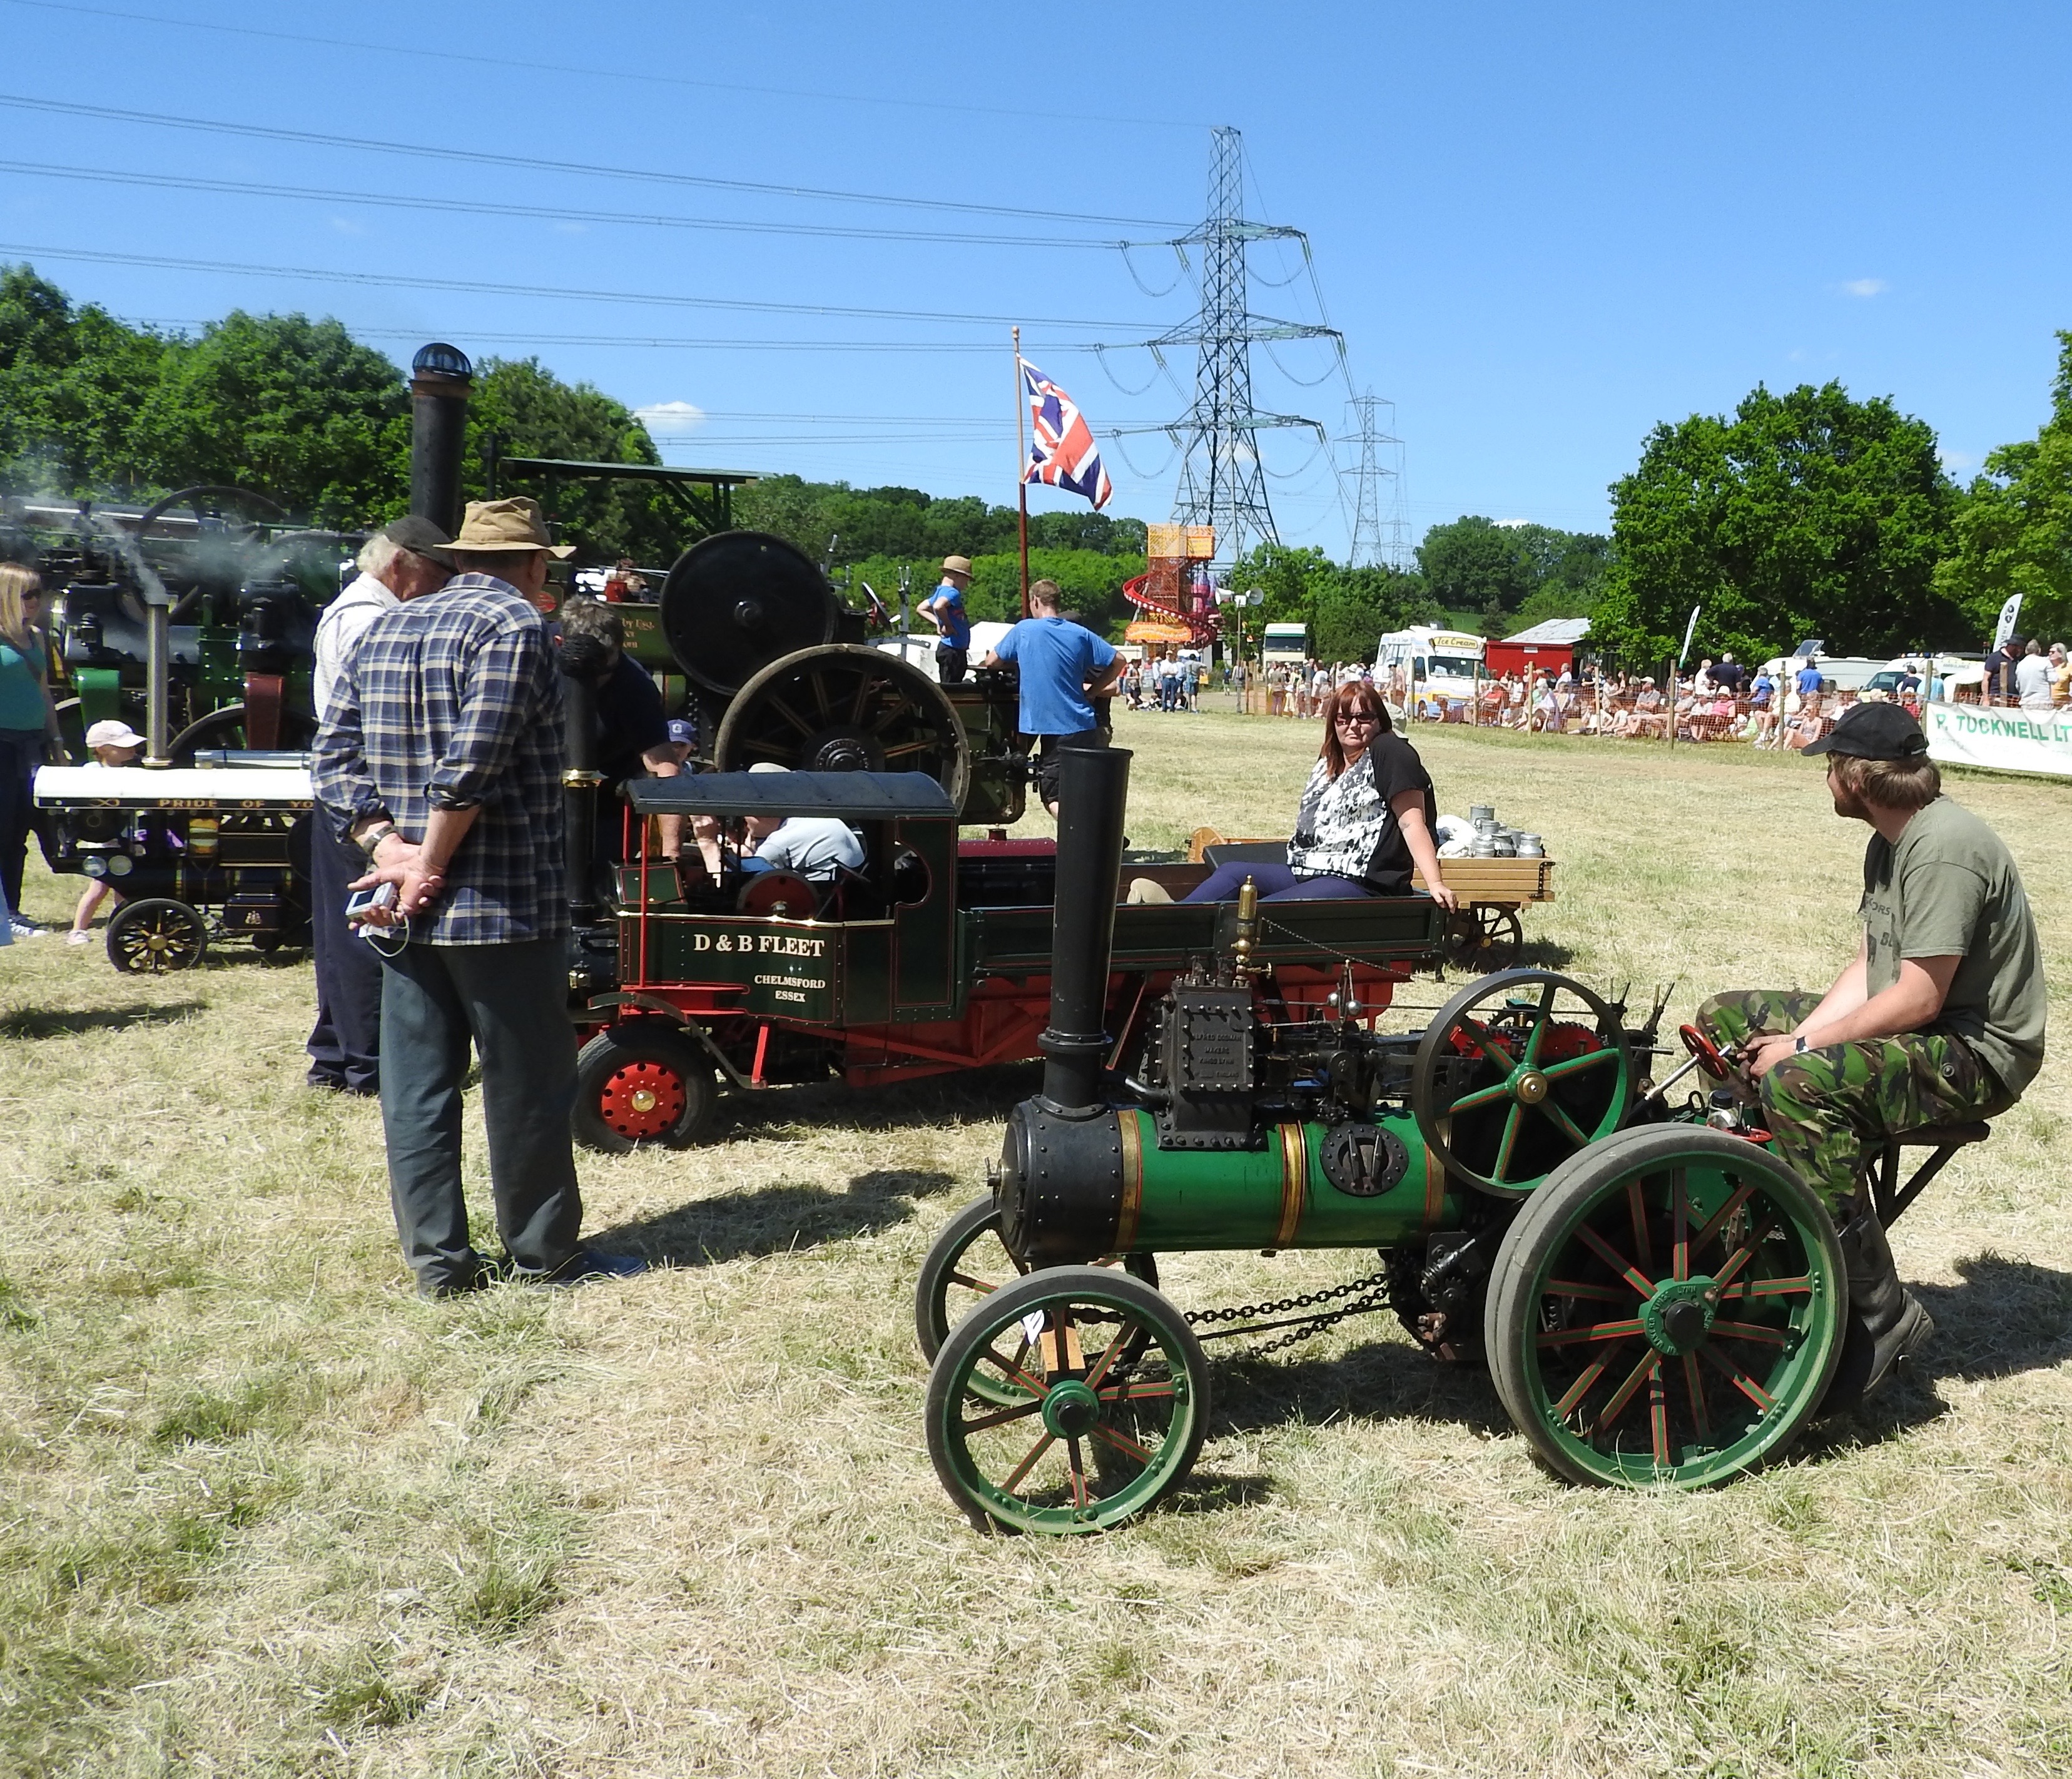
(1276, 883)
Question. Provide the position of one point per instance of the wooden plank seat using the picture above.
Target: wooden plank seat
(1890, 1199)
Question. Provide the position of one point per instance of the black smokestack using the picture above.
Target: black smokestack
(1093, 790)
(579, 782)
(441, 380)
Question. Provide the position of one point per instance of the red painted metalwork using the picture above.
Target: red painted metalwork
(643, 1100)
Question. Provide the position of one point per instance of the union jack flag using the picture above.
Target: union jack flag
(1063, 452)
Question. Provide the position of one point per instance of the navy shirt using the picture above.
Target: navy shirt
(1056, 659)
(947, 604)
(630, 722)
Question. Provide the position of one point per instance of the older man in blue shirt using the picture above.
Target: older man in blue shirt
(1064, 667)
(442, 746)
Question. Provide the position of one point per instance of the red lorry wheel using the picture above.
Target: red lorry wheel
(638, 1088)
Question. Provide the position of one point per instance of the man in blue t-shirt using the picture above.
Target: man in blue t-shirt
(945, 609)
(1064, 669)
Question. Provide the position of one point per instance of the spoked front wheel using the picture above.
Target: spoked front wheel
(966, 1264)
(1069, 1401)
(1667, 1308)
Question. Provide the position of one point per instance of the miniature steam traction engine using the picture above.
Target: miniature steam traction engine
(1658, 1301)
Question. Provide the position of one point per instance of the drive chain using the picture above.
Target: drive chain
(1370, 1293)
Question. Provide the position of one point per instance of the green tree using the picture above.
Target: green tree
(2013, 530)
(1347, 610)
(1473, 564)
(534, 413)
(1806, 514)
(294, 408)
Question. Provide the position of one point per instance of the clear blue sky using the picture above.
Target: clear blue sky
(1541, 228)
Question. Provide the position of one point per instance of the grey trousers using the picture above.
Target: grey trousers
(510, 1002)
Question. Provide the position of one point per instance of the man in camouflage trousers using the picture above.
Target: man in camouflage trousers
(1938, 1018)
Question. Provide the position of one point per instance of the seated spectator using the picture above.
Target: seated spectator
(814, 846)
(111, 742)
(2061, 676)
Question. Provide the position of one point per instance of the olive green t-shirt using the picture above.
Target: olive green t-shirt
(1948, 888)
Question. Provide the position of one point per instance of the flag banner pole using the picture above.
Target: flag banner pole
(1021, 468)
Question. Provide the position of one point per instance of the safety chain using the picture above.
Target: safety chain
(1374, 1285)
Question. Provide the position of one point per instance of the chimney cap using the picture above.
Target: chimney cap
(440, 359)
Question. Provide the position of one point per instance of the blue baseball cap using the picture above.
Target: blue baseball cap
(682, 730)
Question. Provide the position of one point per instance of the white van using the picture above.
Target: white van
(1442, 665)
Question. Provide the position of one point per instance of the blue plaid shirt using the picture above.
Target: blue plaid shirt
(451, 700)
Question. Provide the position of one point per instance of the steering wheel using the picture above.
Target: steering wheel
(1710, 1058)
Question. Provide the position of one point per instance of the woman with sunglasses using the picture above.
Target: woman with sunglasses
(1368, 815)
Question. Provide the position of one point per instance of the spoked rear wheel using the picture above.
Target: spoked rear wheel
(1666, 1309)
(1106, 1401)
(966, 1265)
(156, 934)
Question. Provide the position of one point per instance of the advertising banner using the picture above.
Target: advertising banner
(2006, 738)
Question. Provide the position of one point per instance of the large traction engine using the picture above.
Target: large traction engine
(1658, 1302)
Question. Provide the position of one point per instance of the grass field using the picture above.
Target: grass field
(262, 1512)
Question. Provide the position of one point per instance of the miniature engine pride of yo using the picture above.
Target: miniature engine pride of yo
(1659, 1301)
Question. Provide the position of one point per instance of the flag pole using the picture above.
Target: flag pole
(1021, 469)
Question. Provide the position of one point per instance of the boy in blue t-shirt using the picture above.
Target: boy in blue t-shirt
(945, 609)
(1063, 667)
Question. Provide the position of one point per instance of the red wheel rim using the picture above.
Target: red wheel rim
(642, 1100)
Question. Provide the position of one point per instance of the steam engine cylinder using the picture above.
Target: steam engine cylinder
(1072, 1190)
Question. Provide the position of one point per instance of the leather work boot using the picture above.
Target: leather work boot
(1887, 1326)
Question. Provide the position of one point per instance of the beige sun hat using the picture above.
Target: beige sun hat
(956, 565)
(513, 524)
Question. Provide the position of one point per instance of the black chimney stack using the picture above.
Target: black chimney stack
(1093, 791)
(441, 380)
(579, 783)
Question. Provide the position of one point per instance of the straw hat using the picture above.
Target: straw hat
(493, 526)
(957, 564)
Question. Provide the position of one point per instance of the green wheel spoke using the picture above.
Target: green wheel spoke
(1750, 1331)
(1512, 1119)
(1575, 1065)
(1694, 1385)
(1000, 1416)
(1029, 1461)
(1595, 1331)
(1481, 1096)
(1567, 1125)
(1714, 1223)
(1636, 1210)
(1618, 1262)
(1012, 1370)
(1799, 1286)
(981, 1286)
(1649, 1363)
(1658, 1416)
(1144, 1390)
(1743, 1255)
(1122, 1443)
(1540, 1026)
(1741, 1381)
(1114, 1350)
(1075, 1460)
(1577, 1288)
(1571, 1397)
(1485, 1040)
(1680, 1239)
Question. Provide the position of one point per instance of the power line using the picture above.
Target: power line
(663, 342)
(541, 213)
(560, 70)
(533, 164)
(484, 288)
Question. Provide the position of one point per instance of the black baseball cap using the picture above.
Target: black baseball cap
(420, 537)
(1873, 732)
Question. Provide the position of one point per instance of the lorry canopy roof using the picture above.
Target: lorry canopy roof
(846, 796)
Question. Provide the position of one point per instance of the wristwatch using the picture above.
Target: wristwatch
(1799, 1044)
(375, 835)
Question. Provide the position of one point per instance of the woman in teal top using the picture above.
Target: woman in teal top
(28, 724)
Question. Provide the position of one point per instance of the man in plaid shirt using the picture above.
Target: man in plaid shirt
(443, 745)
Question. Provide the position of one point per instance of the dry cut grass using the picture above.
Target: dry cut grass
(265, 1514)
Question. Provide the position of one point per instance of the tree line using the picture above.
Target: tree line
(1805, 513)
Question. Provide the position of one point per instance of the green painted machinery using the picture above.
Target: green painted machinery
(1659, 1301)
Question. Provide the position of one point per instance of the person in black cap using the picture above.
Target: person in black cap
(1938, 1018)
